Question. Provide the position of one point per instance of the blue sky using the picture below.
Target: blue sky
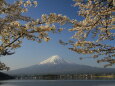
(32, 53)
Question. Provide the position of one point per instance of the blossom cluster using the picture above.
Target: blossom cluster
(98, 24)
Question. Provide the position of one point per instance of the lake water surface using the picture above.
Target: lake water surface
(57, 83)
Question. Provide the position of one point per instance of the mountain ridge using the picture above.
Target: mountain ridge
(57, 65)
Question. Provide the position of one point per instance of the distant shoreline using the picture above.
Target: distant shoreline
(68, 77)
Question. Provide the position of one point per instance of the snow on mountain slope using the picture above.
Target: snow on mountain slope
(54, 60)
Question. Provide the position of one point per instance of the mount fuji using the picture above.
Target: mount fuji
(57, 65)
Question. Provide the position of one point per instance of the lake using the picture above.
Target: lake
(58, 83)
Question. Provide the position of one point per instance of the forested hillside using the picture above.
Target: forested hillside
(5, 76)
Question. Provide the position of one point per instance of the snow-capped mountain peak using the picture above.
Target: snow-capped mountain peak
(57, 65)
(54, 60)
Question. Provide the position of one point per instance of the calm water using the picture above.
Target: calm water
(56, 83)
